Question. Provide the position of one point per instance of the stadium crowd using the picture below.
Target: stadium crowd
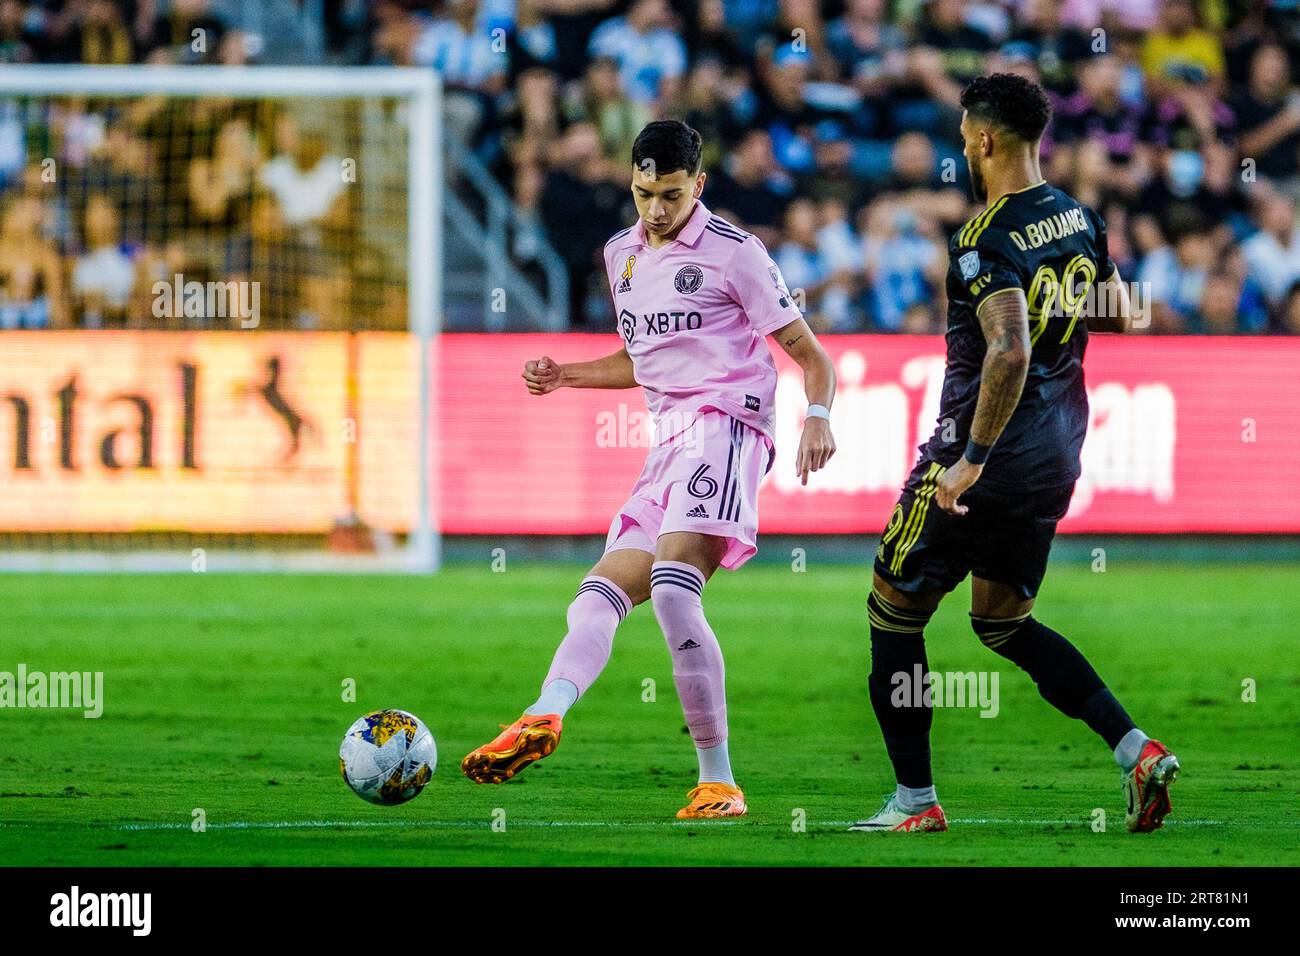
(830, 131)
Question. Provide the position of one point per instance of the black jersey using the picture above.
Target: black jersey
(1044, 242)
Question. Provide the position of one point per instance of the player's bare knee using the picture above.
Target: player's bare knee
(638, 592)
(702, 551)
(627, 569)
(924, 603)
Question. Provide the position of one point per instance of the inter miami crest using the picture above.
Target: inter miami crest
(689, 279)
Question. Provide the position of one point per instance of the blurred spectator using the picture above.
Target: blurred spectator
(581, 207)
(903, 264)
(1057, 49)
(31, 273)
(532, 41)
(310, 196)
(1273, 253)
(714, 34)
(221, 187)
(1268, 115)
(713, 102)
(1097, 115)
(1176, 277)
(651, 58)
(104, 276)
(534, 126)
(473, 66)
(188, 32)
(1178, 47)
(917, 182)
(748, 19)
(305, 180)
(105, 37)
(18, 42)
(600, 100)
(868, 49)
(952, 50)
(749, 187)
(808, 123)
(821, 285)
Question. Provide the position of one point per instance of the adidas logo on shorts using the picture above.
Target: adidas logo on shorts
(687, 645)
(697, 512)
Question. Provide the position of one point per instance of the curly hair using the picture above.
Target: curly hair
(1009, 101)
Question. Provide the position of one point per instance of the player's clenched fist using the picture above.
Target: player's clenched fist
(542, 376)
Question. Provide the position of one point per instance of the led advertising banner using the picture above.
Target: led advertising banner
(205, 431)
(1187, 435)
(293, 432)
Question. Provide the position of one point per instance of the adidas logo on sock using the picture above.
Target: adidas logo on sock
(697, 512)
(686, 645)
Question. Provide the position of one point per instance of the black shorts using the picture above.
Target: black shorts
(1004, 537)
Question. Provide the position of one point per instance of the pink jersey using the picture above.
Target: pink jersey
(693, 314)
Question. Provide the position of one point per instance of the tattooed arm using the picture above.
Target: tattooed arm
(1004, 318)
(817, 444)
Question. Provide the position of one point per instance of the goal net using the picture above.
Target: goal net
(219, 300)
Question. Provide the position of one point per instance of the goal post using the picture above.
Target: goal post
(218, 344)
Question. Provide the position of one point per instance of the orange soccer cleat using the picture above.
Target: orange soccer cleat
(1146, 788)
(710, 801)
(529, 738)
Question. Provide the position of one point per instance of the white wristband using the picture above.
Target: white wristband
(818, 411)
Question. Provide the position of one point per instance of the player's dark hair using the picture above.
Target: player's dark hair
(1011, 102)
(669, 145)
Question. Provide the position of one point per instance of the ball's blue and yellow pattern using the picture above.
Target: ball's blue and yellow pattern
(388, 756)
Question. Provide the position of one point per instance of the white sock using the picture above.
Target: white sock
(915, 798)
(715, 764)
(1129, 749)
(557, 697)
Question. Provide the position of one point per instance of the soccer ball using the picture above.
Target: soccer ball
(388, 756)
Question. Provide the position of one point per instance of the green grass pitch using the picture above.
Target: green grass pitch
(225, 693)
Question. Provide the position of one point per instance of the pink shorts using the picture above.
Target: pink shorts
(704, 479)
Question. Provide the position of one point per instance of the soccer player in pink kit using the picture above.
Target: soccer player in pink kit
(694, 298)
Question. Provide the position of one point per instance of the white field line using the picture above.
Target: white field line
(485, 824)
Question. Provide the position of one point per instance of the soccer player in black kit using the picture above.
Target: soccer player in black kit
(1028, 279)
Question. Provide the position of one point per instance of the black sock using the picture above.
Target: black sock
(898, 646)
(1064, 677)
